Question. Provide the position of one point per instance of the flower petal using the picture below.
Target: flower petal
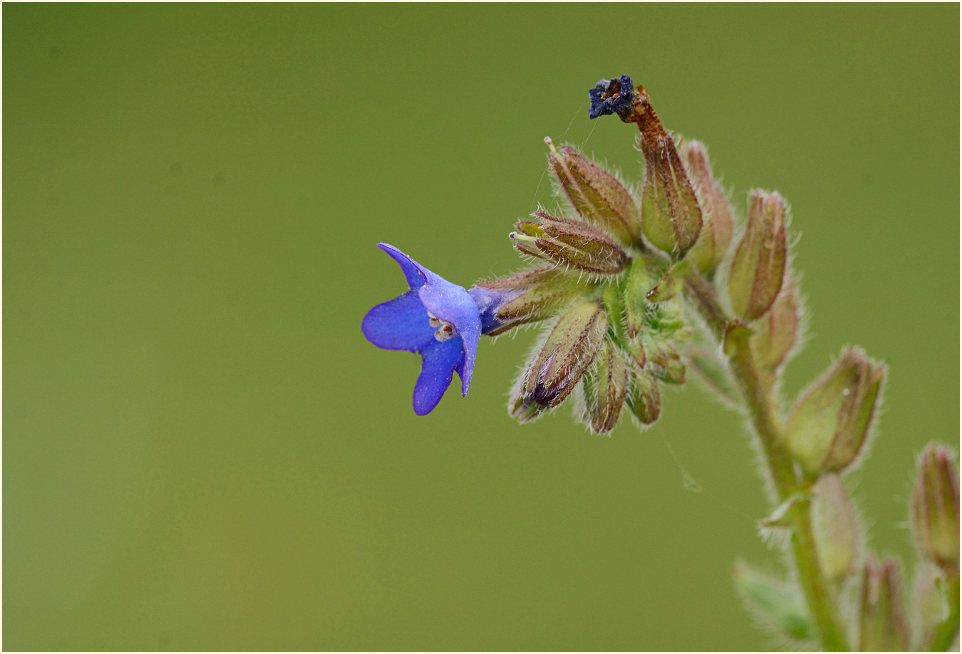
(437, 370)
(455, 305)
(413, 271)
(399, 324)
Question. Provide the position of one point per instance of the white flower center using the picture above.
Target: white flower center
(444, 329)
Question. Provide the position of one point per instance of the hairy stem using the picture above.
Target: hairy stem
(762, 408)
(946, 632)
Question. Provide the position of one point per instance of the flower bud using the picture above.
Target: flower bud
(716, 232)
(644, 398)
(562, 359)
(527, 297)
(643, 274)
(670, 216)
(570, 243)
(663, 360)
(596, 194)
(882, 623)
(670, 283)
(759, 263)
(605, 384)
(835, 526)
(777, 332)
(935, 507)
(829, 424)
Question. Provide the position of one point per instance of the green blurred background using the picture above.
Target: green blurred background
(200, 449)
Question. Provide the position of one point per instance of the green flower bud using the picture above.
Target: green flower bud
(644, 398)
(935, 507)
(670, 284)
(526, 297)
(716, 232)
(570, 243)
(777, 332)
(557, 366)
(605, 384)
(663, 360)
(882, 623)
(643, 274)
(759, 263)
(835, 526)
(596, 194)
(829, 424)
(670, 216)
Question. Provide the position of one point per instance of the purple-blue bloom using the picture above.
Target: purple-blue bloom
(435, 318)
(611, 96)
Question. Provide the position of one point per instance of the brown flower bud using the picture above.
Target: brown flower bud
(882, 623)
(570, 243)
(567, 351)
(605, 384)
(596, 194)
(717, 228)
(759, 263)
(935, 507)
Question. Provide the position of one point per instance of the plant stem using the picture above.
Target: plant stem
(763, 411)
(946, 632)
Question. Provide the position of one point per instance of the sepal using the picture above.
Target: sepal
(557, 366)
(570, 243)
(595, 194)
(760, 259)
(829, 425)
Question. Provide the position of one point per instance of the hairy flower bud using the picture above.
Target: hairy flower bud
(562, 359)
(835, 527)
(644, 398)
(882, 623)
(670, 215)
(663, 359)
(605, 384)
(759, 263)
(527, 297)
(596, 194)
(670, 283)
(643, 274)
(829, 424)
(716, 232)
(935, 507)
(570, 243)
(777, 332)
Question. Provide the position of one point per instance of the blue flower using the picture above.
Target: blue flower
(611, 96)
(435, 318)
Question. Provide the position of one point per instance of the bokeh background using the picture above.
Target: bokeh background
(200, 449)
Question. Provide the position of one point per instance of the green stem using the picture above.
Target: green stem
(946, 632)
(766, 420)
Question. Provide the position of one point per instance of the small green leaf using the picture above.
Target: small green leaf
(773, 603)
